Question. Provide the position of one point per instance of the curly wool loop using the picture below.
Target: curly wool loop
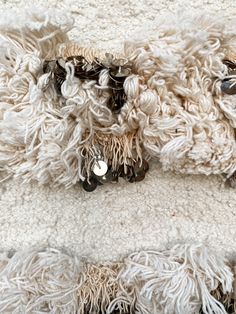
(188, 131)
(174, 102)
(185, 279)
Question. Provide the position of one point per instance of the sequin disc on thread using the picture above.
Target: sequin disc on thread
(100, 168)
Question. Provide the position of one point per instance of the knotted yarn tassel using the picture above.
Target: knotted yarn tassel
(39, 280)
(185, 279)
(180, 281)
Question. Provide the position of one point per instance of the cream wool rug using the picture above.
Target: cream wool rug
(115, 220)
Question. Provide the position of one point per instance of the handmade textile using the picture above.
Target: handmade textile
(174, 108)
(184, 280)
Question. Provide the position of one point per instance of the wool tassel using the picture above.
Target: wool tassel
(186, 279)
(227, 299)
(39, 280)
(180, 280)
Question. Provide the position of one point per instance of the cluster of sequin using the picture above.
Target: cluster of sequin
(118, 70)
(101, 173)
(84, 70)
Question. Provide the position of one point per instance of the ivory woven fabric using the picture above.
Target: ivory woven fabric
(160, 211)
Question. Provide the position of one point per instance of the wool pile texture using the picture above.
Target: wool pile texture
(185, 280)
(175, 110)
(175, 113)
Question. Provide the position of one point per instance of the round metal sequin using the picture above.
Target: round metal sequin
(114, 177)
(130, 175)
(145, 165)
(110, 176)
(120, 74)
(228, 87)
(139, 172)
(139, 176)
(90, 187)
(106, 177)
(100, 168)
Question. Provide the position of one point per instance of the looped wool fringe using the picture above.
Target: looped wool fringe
(187, 279)
(175, 108)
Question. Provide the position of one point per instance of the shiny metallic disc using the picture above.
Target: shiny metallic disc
(100, 168)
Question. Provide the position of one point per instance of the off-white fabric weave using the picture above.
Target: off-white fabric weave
(160, 211)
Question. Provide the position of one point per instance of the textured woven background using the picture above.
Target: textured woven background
(162, 210)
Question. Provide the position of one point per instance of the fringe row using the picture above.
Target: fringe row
(187, 279)
(174, 108)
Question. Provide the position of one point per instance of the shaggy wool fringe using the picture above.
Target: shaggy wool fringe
(175, 110)
(187, 279)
